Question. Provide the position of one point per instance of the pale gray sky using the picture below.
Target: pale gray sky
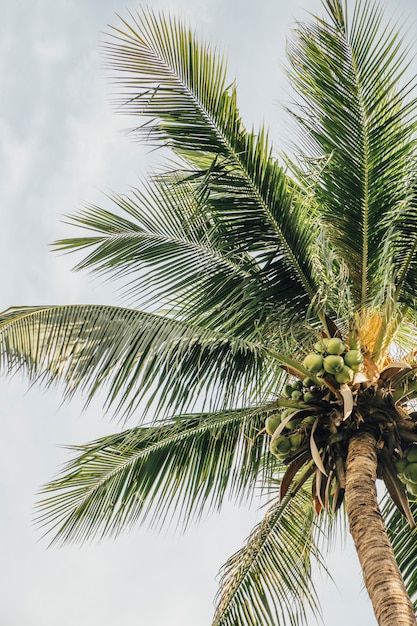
(61, 145)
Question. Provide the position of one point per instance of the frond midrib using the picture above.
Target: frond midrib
(365, 163)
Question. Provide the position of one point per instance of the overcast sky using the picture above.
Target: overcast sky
(61, 145)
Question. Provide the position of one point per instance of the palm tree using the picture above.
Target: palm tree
(276, 341)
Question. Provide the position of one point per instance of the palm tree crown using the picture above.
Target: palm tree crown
(275, 344)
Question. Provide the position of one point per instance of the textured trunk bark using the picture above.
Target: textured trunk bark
(382, 577)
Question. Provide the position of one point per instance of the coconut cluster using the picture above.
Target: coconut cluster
(407, 469)
(315, 418)
(290, 427)
(331, 356)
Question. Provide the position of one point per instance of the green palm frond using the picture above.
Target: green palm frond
(164, 242)
(268, 582)
(404, 543)
(403, 243)
(180, 86)
(133, 356)
(356, 115)
(178, 469)
(159, 240)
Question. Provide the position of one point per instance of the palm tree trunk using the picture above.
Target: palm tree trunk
(382, 577)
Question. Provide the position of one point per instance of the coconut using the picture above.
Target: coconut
(321, 346)
(353, 358)
(313, 362)
(295, 441)
(410, 473)
(309, 420)
(345, 375)
(308, 396)
(296, 395)
(335, 346)
(293, 423)
(412, 488)
(308, 382)
(412, 454)
(333, 364)
(271, 423)
(400, 465)
(288, 389)
(280, 446)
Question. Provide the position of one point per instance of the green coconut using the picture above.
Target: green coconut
(288, 389)
(271, 423)
(280, 446)
(333, 364)
(345, 375)
(400, 465)
(308, 396)
(353, 358)
(313, 362)
(412, 454)
(295, 441)
(308, 382)
(321, 345)
(412, 488)
(296, 395)
(309, 420)
(335, 346)
(410, 473)
(293, 424)
(288, 411)
(298, 385)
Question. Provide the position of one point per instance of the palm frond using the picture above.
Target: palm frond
(404, 543)
(158, 239)
(180, 86)
(163, 242)
(268, 582)
(356, 115)
(406, 336)
(132, 356)
(402, 243)
(175, 470)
